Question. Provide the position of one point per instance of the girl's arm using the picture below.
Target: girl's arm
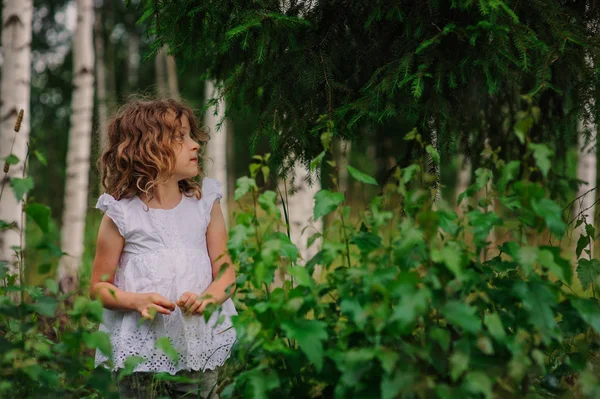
(108, 251)
(223, 283)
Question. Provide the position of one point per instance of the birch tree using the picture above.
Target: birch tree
(14, 94)
(216, 149)
(78, 154)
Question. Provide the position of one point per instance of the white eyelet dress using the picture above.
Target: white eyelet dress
(165, 252)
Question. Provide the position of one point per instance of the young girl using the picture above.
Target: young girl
(161, 257)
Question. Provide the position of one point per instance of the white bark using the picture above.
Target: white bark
(216, 149)
(78, 155)
(172, 76)
(300, 208)
(160, 64)
(586, 171)
(14, 95)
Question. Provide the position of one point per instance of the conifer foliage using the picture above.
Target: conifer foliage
(459, 68)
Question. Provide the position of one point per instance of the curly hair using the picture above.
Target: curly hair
(139, 152)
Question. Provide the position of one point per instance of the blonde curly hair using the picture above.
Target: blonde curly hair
(139, 152)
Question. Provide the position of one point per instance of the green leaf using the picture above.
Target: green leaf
(310, 335)
(46, 306)
(21, 186)
(326, 202)
(591, 231)
(238, 238)
(360, 176)
(441, 336)
(99, 340)
(584, 241)
(164, 344)
(52, 286)
(478, 382)
(509, 173)
(392, 385)
(552, 215)
(12, 159)
(552, 261)
(433, 153)
(259, 382)
(527, 256)
(130, 364)
(412, 304)
(40, 157)
(40, 215)
(537, 300)
(355, 311)
(588, 271)
(301, 276)
(366, 241)
(589, 311)
(459, 363)
(452, 256)
(494, 325)
(542, 155)
(267, 202)
(462, 315)
(243, 186)
(316, 161)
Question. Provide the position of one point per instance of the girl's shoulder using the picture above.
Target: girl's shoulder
(115, 209)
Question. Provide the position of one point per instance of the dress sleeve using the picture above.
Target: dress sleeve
(212, 192)
(113, 209)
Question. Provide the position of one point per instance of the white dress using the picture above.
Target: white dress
(165, 252)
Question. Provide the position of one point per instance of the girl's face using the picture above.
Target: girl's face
(186, 152)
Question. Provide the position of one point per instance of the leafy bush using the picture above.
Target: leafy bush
(410, 301)
(410, 305)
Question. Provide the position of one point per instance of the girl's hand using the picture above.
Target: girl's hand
(193, 303)
(144, 303)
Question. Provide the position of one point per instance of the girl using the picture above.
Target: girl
(161, 258)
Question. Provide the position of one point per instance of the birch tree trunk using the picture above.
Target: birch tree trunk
(172, 75)
(216, 149)
(299, 197)
(586, 171)
(160, 64)
(14, 95)
(78, 155)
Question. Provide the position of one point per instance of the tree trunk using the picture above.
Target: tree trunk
(172, 75)
(100, 83)
(160, 64)
(14, 94)
(133, 60)
(231, 175)
(344, 150)
(586, 171)
(216, 149)
(463, 181)
(300, 208)
(78, 155)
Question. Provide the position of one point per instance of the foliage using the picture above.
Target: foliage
(411, 304)
(454, 69)
(410, 301)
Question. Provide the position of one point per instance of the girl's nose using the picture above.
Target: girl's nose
(195, 145)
